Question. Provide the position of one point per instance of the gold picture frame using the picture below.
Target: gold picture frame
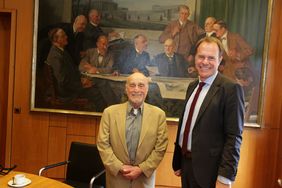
(65, 11)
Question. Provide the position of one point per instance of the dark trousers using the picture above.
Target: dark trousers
(187, 176)
(188, 179)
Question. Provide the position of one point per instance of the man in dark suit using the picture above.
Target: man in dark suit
(169, 63)
(70, 85)
(74, 32)
(93, 30)
(134, 58)
(75, 37)
(209, 135)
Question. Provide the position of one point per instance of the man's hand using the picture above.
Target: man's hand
(221, 185)
(175, 30)
(85, 82)
(130, 172)
(177, 172)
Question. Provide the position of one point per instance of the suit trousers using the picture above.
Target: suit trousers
(188, 179)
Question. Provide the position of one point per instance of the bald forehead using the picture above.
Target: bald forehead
(137, 77)
(93, 12)
(210, 20)
(169, 42)
(81, 18)
(102, 38)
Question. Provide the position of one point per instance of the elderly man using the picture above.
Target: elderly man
(68, 81)
(132, 138)
(169, 63)
(74, 32)
(237, 50)
(93, 30)
(209, 26)
(209, 136)
(184, 32)
(97, 60)
(134, 58)
(75, 37)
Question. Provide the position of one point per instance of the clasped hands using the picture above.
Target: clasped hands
(130, 172)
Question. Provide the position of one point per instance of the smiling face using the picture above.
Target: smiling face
(207, 59)
(136, 89)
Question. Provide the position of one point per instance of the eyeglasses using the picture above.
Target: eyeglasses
(5, 171)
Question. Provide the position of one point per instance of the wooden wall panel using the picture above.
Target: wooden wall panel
(57, 150)
(257, 160)
(165, 175)
(58, 120)
(30, 142)
(75, 128)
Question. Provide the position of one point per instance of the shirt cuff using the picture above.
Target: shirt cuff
(224, 180)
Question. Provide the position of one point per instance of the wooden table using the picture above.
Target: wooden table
(36, 181)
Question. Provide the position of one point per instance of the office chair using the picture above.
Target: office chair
(84, 166)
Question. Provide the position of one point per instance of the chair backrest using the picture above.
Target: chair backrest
(50, 81)
(85, 162)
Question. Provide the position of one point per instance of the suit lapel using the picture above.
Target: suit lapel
(145, 124)
(212, 91)
(190, 89)
(120, 122)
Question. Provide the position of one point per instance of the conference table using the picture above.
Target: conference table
(168, 93)
(36, 181)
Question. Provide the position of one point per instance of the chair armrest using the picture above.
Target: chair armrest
(52, 166)
(95, 177)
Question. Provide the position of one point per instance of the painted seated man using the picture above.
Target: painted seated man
(70, 84)
(169, 63)
(134, 58)
(97, 60)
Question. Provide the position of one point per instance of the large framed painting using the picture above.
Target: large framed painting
(123, 22)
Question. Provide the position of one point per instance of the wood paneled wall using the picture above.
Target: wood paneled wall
(42, 138)
(5, 27)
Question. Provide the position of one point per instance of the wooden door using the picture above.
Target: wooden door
(7, 46)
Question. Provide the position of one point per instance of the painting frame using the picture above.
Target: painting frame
(257, 122)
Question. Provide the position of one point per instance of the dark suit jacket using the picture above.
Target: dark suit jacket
(178, 62)
(129, 59)
(66, 74)
(75, 42)
(217, 132)
(74, 46)
(91, 34)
